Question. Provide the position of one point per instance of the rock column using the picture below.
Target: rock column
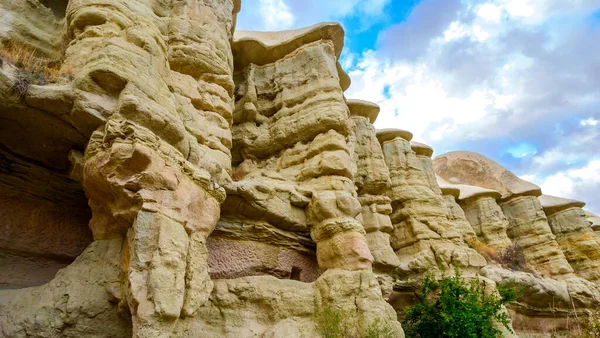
(372, 179)
(158, 111)
(574, 235)
(485, 215)
(423, 236)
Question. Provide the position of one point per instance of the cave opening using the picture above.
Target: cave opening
(58, 7)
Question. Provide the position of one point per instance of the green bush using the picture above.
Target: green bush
(455, 308)
(332, 323)
(335, 323)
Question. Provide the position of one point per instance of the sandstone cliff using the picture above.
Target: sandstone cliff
(163, 175)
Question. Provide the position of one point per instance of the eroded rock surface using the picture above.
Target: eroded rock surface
(194, 181)
(424, 238)
(574, 234)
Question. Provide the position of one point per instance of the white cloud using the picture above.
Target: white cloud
(490, 12)
(589, 122)
(276, 14)
(579, 183)
(290, 14)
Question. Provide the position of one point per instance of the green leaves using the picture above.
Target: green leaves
(455, 308)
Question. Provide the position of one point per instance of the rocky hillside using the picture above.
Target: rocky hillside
(163, 175)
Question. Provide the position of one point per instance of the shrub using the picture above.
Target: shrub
(334, 323)
(454, 308)
(378, 329)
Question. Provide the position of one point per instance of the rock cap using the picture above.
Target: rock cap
(472, 191)
(447, 188)
(384, 135)
(363, 108)
(262, 48)
(594, 219)
(553, 204)
(421, 149)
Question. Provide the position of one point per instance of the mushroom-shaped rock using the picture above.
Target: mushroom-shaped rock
(362, 108)
(484, 215)
(594, 220)
(574, 234)
(421, 149)
(262, 48)
(447, 188)
(471, 191)
(465, 167)
(455, 213)
(384, 135)
(554, 204)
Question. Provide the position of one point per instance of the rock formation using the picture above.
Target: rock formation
(528, 225)
(163, 175)
(593, 220)
(174, 127)
(456, 214)
(553, 279)
(574, 234)
(424, 238)
(485, 215)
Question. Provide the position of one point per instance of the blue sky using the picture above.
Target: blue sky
(515, 80)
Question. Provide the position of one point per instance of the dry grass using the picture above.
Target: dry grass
(483, 249)
(33, 67)
(581, 326)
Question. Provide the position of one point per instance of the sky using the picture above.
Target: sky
(515, 80)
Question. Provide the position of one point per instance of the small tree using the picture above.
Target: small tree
(456, 309)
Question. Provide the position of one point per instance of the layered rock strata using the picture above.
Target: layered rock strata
(485, 215)
(553, 280)
(231, 190)
(423, 237)
(593, 220)
(528, 225)
(574, 234)
(456, 214)
(372, 179)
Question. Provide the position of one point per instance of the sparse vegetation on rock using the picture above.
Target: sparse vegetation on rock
(457, 308)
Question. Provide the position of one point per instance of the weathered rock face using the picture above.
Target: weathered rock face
(423, 236)
(372, 179)
(171, 135)
(464, 167)
(193, 182)
(456, 214)
(44, 212)
(574, 234)
(485, 215)
(528, 225)
(530, 229)
(593, 220)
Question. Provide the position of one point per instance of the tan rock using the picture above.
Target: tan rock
(372, 179)
(577, 239)
(262, 48)
(528, 225)
(361, 108)
(423, 236)
(32, 24)
(80, 301)
(464, 167)
(485, 215)
(544, 304)
(594, 220)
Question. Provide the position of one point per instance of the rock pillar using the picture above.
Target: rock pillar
(159, 112)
